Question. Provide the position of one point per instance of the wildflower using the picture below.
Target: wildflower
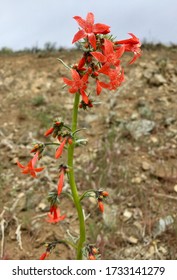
(78, 84)
(38, 148)
(101, 195)
(54, 215)
(84, 105)
(101, 205)
(49, 131)
(61, 181)
(89, 29)
(29, 168)
(63, 169)
(80, 66)
(92, 252)
(55, 129)
(91, 257)
(109, 56)
(116, 77)
(59, 151)
(44, 255)
(131, 45)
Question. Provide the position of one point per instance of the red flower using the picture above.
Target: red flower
(59, 151)
(131, 45)
(49, 131)
(110, 56)
(101, 205)
(44, 255)
(89, 29)
(92, 257)
(54, 215)
(116, 77)
(101, 195)
(61, 181)
(84, 105)
(29, 168)
(57, 126)
(78, 84)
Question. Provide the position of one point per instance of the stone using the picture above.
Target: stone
(145, 165)
(157, 80)
(136, 180)
(139, 128)
(127, 215)
(175, 188)
(110, 215)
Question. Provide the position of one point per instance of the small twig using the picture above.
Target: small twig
(38, 217)
(18, 234)
(165, 196)
(60, 60)
(3, 221)
(85, 217)
(16, 202)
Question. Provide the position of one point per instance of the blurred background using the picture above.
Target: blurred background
(25, 24)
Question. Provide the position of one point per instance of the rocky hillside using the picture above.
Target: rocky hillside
(131, 153)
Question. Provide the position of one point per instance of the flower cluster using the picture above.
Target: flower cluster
(101, 58)
(64, 137)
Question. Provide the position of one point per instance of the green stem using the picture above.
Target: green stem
(72, 181)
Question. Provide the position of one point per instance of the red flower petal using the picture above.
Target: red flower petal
(79, 35)
(39, 169)
(100, 28)
(20, 165)
(67, 82)
(99, 56)
(90, 18)
(80, 21)
(98, 87)
(92, 40)
(84, 97)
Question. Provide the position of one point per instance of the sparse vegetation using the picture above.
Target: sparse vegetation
(140, 172)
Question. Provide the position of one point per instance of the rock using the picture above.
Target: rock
(42, 206)
(110, 215)
(91, 118)
(166, 170)
(154, 139)
(145, 111)
(132, 239)
(169, 121)
(139, 128)
(161, 225)
(127, 215)
(148, 73)
(145, 165)
(157, 80)
(136, 180)
(134, 116)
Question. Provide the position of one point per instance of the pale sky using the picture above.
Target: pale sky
(29, 23)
